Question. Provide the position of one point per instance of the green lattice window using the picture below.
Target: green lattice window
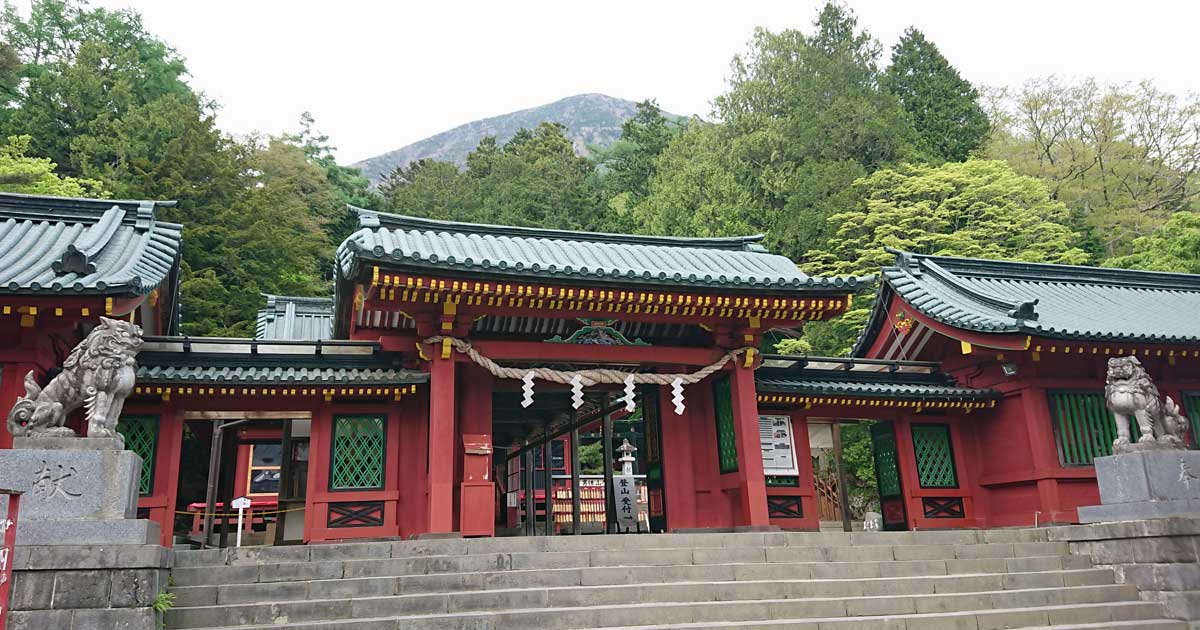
(887, 469)
(141, 437)
(1084, 427)
(1191, 407)
(935, 457)
(726, 435)
(358, 446)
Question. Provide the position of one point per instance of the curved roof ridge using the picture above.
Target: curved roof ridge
(1038, 271)
(374, 219)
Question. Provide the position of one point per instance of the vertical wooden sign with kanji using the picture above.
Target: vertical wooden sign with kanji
(8, 541)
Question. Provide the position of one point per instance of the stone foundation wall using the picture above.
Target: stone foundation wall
(87, 587)
(1160, 556)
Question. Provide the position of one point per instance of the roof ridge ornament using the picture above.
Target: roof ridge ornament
(78, 257)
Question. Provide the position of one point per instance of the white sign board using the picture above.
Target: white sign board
(778, 446)
(240, 503)
(513, 500)
(625, 490)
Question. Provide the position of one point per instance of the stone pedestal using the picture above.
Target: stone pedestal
(78, 491)
(1146, 484)
(83, 560)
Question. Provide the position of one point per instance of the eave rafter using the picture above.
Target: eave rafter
(165, 392)
(394, 291)
(916, 404)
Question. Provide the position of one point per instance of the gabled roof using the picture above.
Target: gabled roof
(824, 376)
(59, 245)
(1041, 300)
(295, 318)
(428, 245)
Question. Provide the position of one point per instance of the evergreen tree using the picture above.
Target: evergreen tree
(978, 209)
(352, 187)
(804, 116)
(20, 173)
(945, 109)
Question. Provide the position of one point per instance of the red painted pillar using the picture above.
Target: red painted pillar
(320, 438)
(166, 473)
(1036, 408)
(441, 443)
(476, 501)
(751, 507)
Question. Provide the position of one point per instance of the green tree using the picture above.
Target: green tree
(1175, 247)
(428, 188)
(82, 66)
(978, 208)
(1122, 158)
(629, 163)
(271, 239)
(35, 176)
(803, 117)
(535, 179)
(352, 187)
(945, 109)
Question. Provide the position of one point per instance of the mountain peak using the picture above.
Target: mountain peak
(591, 119)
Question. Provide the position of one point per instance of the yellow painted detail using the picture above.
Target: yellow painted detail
(966, 347)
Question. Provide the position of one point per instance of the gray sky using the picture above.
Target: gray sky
(379, 75)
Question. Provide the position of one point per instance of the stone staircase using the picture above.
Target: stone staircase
(976, 580)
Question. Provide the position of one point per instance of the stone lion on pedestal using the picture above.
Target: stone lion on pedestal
(1131, 395)
(98, 375)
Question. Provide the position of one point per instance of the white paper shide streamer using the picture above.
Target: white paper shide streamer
(577, 391)
(628, 398)
(677, 395)
(527, 388)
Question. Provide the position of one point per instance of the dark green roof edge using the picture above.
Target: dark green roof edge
(1010, 316)
(373, 219)
(807, 381)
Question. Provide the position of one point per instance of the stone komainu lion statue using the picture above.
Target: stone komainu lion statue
(1130, 394)
(98, 375)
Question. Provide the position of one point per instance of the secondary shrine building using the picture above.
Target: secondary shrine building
(487, 380)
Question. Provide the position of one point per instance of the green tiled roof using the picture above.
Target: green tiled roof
(219, 361)
(55, 245)
(296, 318)
(739, 263)
(268, 374)
(820, 376)
(1053, 301)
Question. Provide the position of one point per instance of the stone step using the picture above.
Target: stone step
(246, 573)
(595, 576)
(1062, 616)
(714, 585)
(464, 546)
(572, 608)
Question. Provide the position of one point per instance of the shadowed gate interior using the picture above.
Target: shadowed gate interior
(558, 467)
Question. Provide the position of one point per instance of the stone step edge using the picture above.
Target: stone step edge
(665, 566)
(561, 609)
(601, 566)
(240, 562)
(637, 585)
(683, 626)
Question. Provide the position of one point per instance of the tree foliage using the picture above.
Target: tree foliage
(535, 179)
(1122, 158)
(949, 121)
(803, 117)
(20, 173)
(978, 209)
(1175, 247)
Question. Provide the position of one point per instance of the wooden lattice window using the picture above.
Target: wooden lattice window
(141, 437)
(935, 456)
(1191, 407)
(887, 468)
(358, 453)
(726, 435)
(1084, 427)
